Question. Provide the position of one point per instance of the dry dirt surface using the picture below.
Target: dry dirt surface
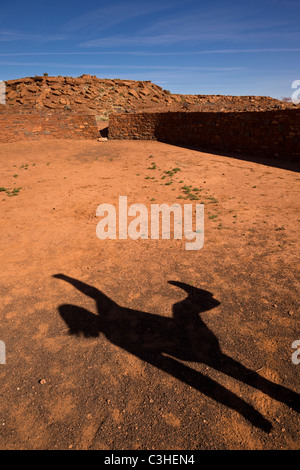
(141, 344)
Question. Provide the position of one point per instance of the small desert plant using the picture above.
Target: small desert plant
(152, 167)
(10, 193)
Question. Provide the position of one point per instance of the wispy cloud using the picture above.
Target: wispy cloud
(114, 14)
(202, 25)
(150, 53)
(9, 36)
(230, 21)
(124, 67)
(189, 38)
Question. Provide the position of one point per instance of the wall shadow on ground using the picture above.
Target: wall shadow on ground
(268, 137)
(289, 165)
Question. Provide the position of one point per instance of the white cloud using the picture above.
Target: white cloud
(150, 53)
(123, 67)
(9, 36)
(203, 25)
(113, 14)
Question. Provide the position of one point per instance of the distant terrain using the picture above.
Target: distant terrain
(89, 94)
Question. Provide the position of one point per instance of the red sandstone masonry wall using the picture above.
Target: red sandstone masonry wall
(14, 127)
(139, 126)
(267, 133)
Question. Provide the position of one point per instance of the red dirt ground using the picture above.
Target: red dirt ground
(146, 366)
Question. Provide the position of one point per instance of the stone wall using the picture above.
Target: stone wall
(14, 127)
(91, 95)
(267, 133)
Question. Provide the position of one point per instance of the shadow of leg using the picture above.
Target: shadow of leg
(234, 369)
(208, 387)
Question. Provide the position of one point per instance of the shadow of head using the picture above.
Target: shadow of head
(80, 321)
(202, 298)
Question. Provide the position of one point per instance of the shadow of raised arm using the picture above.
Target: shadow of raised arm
(104, 303)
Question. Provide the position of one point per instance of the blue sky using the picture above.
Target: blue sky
(199, 47)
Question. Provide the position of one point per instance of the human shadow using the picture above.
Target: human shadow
(164, 342)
